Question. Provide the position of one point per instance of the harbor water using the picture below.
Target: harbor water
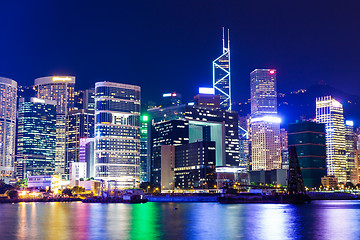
(155, 220)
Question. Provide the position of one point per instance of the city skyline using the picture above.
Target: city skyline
(147, 40)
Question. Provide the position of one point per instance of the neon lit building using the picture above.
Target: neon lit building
(36, 137)
(117, 133)
(8, 95)
(144, 171)
(265, 124)
(330, 112)
(221, 75)
(61, 90)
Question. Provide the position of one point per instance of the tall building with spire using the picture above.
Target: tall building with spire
(330, 112)
(265, 124)
(221, 74)
(59, 89)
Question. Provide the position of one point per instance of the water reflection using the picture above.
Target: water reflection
(318, 220)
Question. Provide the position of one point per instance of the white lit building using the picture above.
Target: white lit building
(330, 112)
(8, 95)
(117, 133)
(265, 124)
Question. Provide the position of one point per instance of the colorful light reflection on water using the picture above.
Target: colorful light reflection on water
(318, 220)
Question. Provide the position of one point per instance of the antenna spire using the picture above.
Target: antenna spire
(223, 39)
(228, 46)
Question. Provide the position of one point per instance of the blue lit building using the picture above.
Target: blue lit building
(117, 133)
(36, 137)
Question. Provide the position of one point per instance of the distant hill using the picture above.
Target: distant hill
(303, 103)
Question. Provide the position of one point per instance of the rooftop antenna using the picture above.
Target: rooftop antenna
(228, 46)
(223, 39)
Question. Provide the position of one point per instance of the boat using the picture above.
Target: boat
(124, 196)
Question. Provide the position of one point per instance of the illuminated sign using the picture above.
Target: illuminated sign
(205, 90)
(272, 72)
(144, 118)
(270, 119)
(349, 123)
(64, 79)
(174, 94)
(167, 95)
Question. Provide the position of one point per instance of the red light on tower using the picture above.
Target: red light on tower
(272, 72)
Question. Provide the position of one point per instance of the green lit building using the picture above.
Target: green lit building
(36, 137)
(144, 171)
(309, 140)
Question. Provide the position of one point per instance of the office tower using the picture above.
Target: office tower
(309, 140)
(330, 112)
(218, 125)
(61, 90)
(221, 75)
(89, 99)
(78, 99)
(80, 124)
(144, 171)
(207, 99)
(195, 165)
(284, 149)
(173, 132)
(86, 155)
(265, 124)
(117, 133)
(244, 143)
(8, 97)
(350, 142)
(36, 137)
(171, 99)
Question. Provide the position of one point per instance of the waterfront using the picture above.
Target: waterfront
(318, 220)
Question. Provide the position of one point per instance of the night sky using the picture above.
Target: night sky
(169, 45)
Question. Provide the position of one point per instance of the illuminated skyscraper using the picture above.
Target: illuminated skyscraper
(330, 112)
(61, 90)
(265, 124)
(221, 75)
(36, 137)
(8, 94)
(117, 133)
(350, 139)
(144, 172)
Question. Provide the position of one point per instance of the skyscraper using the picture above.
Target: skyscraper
(8, 96)
(309, 140)
(330, 112)
(61, 90)
(117, 133)
(265, 124)
(80, 124)
(144, 172)
(221, 75)
(350, 140)
(36, 137)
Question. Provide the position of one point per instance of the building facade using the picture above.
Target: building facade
(265, 124)
(352, 174)
(80, 124)
(144, 167)
(330, 112)
(310, 142)
(221, 75)
(60, 89)
(117, 133)
(8, 97)
(36, 137)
